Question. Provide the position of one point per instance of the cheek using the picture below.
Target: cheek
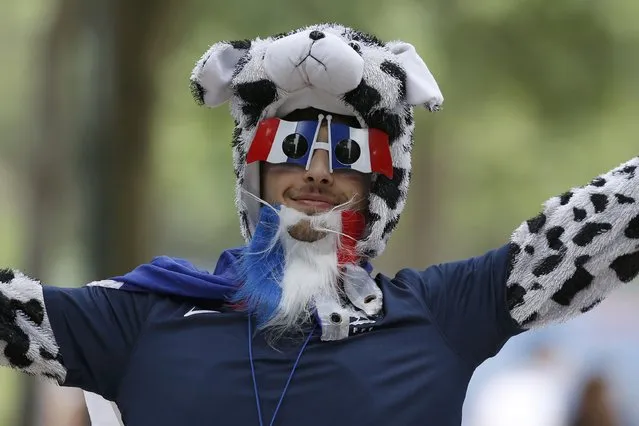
(275, 180)
(354, 183)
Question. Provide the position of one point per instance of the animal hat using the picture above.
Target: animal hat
(328, 67)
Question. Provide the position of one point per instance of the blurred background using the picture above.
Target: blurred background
(106, 161)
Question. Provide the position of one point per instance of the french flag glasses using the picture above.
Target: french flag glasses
(279, 141)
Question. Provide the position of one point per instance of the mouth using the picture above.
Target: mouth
(314, 203)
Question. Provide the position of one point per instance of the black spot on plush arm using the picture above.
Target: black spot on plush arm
(626, 267)
(27, 339)
(589, 248)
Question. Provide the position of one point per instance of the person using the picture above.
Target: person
(595, 405)
(292, 327)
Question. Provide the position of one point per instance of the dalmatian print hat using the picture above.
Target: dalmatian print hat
(329, 67)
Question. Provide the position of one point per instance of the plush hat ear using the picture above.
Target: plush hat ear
(211, 77)
(421, 87)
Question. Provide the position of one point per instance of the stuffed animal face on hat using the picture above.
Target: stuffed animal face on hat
(332, 68)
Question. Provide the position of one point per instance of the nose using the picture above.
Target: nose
(316, 35)
(319, 172)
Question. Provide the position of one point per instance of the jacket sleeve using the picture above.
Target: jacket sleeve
(581, 246)
(80, 337)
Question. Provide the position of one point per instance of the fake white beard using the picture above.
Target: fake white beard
(311, 270)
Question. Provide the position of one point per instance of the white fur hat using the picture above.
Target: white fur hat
(329, 67)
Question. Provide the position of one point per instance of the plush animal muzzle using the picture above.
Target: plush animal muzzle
(313, 59)
(329, 67)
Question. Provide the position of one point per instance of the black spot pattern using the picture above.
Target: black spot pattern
(627, 170)
(198, 92)
(6, 275)
(622, 199)
(529, 249)
(531, 318)
(590, 307)
(236, 139)
(241, 158)
(600, 201)
(598, 182)
(513, 253)
(364, 37)
(388, 189)
(515, 296)
(408, 117)
(553, 236)
(387, 121)
(536, 223)
(45, 354)
(370, 253)
(17, 341)
(589, 231)
(579, 281)
(363, 98)
(33, 309)
(390, 227)
(372, 218)
(579, 214)
(548, 264)
(626, 267)
(565, 197)
(536, 286)
(241, 44)
(397, 72)
(582, 260)
(241, 64)
(632, 231)
(256, 96)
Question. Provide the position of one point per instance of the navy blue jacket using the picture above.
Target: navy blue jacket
(170, 361)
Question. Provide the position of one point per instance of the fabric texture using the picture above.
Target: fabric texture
(138, 348)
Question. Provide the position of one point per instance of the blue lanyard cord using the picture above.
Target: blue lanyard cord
(290, 376)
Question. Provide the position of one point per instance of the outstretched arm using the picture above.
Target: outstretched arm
(81, 337)
(26, 337)
(583, 245)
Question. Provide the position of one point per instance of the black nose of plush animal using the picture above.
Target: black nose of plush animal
(316, 35)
